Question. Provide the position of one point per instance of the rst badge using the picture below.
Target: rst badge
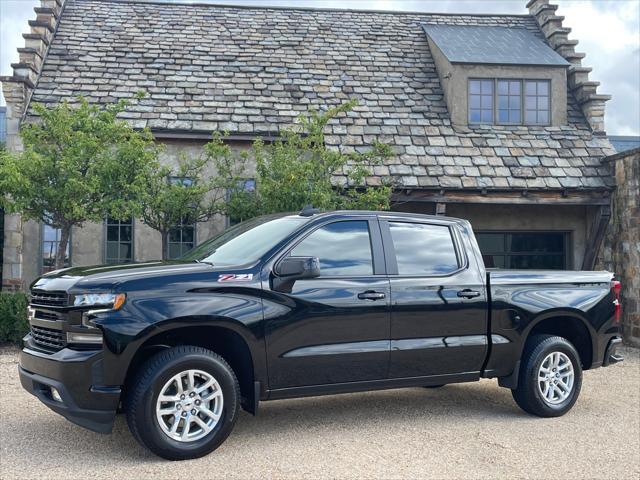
(235, 277)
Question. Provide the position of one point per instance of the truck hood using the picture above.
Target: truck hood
(109, 276)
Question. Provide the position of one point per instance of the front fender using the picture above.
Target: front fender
(126, 330)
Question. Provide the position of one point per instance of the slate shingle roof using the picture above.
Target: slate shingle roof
(493, 45)
(253, 70)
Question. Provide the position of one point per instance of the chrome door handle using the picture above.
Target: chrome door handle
(468, 293)
(371, 295)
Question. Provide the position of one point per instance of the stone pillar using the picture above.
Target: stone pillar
(17, 90)
(622, 242)
(584, 90)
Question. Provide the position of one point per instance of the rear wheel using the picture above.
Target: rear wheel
(550, 376)
(183, 403)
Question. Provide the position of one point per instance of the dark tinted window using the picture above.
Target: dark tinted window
(541, 250)
(423, 249)
(344, 248)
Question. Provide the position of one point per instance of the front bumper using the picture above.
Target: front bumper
(76, 375)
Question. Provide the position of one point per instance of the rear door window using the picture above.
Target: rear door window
(423, 249)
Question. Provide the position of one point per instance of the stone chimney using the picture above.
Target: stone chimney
(17, 90)
(584, 90)
(18, 87)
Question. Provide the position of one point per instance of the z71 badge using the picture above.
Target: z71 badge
(235, 277)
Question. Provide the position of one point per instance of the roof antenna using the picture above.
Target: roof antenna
(308, 211)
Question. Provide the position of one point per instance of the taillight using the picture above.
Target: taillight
(615, 288)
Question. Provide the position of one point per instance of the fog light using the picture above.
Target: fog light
(56, 395)
(76, 337)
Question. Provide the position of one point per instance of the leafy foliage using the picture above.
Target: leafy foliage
(13, 317)
(299, 169)
(190, 193)
(80, 163)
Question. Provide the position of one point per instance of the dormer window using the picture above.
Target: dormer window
(512, 97)
(499, 75)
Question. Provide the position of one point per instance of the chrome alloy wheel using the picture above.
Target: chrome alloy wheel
(555, 378)
(189, 405)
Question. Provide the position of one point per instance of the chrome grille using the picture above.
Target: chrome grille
(42, 315)
(49, 298)
(48, 337)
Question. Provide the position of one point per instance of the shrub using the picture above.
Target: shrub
(13, 317)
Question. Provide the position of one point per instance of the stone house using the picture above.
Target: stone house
(492, 118)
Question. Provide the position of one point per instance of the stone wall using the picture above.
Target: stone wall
(621, 253)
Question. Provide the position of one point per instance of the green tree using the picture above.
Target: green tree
(299, 169)
(190, 193)
(79, 164)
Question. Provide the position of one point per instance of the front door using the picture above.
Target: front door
(334, 328)
(438, 303)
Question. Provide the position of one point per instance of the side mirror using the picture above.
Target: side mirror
(291, 269)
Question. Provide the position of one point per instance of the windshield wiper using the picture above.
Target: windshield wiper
(202, 261)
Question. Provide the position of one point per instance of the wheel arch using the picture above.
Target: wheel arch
(567, 324)
(228, 338)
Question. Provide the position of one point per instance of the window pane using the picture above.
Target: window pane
(503, 116)
(530, 103)
(487, 87)
(344, 249)
(543, 88)
(544, 262)
(475, 116)
(125, 252)
(474, 101)
(187, 234)
(514, 116)
(543, 103)
(503, 102)
(503, 87)
(174, 235)
(543, 117)
(494, 261)
(514, 102)
(125, 233)
(423, 249)
(530, 116)
(474, 86)
(175, 250)
(514, 88)
(536, 242)
(112, 233)
(530, 88)
(113, 250)
(487, 101)
(487, 116)
(490, 242)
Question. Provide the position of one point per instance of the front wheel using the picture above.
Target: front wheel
(550, 376)
(183, 403)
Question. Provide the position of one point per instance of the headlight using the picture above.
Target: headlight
(113, 300)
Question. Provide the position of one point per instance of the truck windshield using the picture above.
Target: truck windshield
(246, 242)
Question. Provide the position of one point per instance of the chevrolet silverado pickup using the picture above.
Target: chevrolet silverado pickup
(305, 304)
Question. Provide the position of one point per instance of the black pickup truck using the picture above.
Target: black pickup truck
(296, 305)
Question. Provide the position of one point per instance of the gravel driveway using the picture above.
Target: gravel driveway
(469, 430)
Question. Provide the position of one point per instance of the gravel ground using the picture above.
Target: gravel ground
(469, 430)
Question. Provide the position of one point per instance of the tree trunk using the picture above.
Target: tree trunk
(165, 245)
(65, 233)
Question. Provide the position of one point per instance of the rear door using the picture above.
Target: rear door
(334, 328)
(438, 300)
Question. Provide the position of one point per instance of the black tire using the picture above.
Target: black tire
(434, 386)
(528, 395)
(146, 385)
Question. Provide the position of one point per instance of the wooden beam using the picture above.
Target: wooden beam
(542, 197)
(596, 235)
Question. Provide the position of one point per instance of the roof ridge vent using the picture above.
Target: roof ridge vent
(584, 90)
(17, 88)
